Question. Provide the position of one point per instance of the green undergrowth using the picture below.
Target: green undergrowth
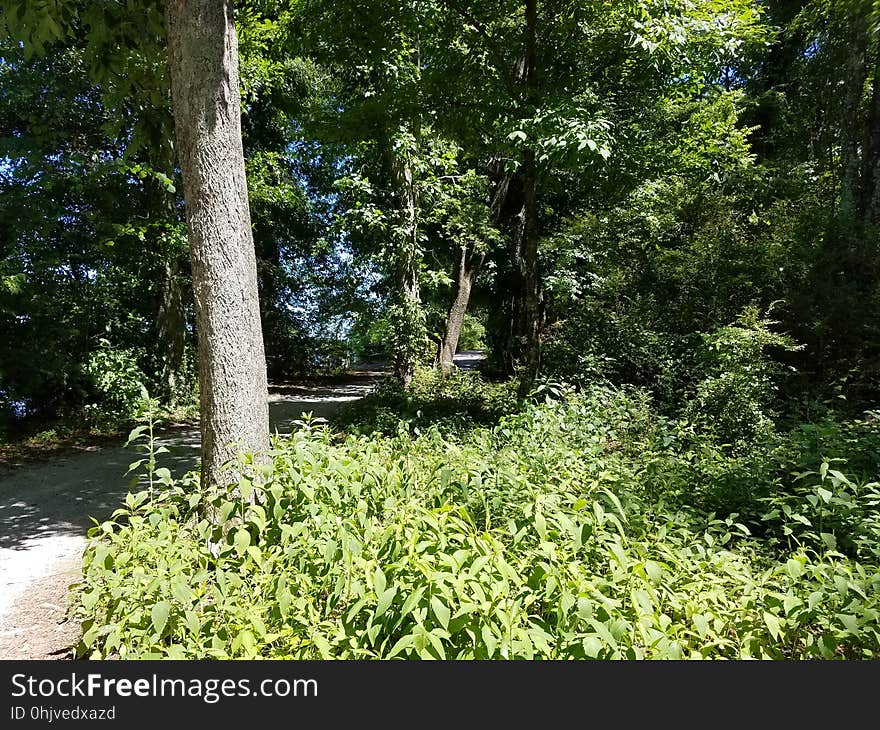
(584, 526)
(455, 405)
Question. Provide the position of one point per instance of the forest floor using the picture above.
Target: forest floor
(45, 511)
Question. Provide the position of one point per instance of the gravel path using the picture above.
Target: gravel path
(45, 511)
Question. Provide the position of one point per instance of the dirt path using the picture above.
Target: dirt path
(45, 510)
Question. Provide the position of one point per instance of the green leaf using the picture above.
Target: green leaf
(379, 581)
(850, 622)
(181, 591)
(90, 598)
(604, 633)
(247, 640)
(440, 611)
(405, 642)
(584, 608)
(437, 643)
(791, 602)
(385, 600)
(412, 600)
(242, 540)
(794, 568)
(159, 615)
(654, 571)
(284, 598)
(773, 625)
(592, 647)
(541, 525)
(489, 640)
(619, 554)
(135, 434)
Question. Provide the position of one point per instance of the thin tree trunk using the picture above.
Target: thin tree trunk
(273, 319)
(507, 198)
(409, 319)
(871, 153)
(529, 309)
(466, 268)
(171, 312)
(203, 54)
(852, 123)
(532, 304)
(170, 325)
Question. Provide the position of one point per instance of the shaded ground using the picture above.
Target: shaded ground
(20, 453)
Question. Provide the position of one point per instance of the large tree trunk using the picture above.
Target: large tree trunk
(466, 267)
(203, 53)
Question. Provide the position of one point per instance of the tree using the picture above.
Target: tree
(203, 60)
(457, 208)
(381, 121)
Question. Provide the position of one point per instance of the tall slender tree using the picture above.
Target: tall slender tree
(203, 55)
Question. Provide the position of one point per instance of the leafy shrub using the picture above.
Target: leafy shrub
(457, 403)
(473, 333)
(594, 345)
(735, 399)
(117, 382)
(408, 337)
(827, 510)
(537, 538)
(856, 440)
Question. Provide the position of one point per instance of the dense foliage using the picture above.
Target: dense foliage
(659, 218)
(584, 526)
(657, 169)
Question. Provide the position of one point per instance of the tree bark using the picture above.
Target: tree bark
(852, 123)
(466, 267)
(170, 325)
(408, 319)
(531, 307)
(871, 153)
(203, 55)
(528, 291)
(171, 312)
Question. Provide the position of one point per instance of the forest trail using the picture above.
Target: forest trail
(45, 510)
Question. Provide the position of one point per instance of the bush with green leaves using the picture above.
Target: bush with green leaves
(473, 333)
(457, 403)
(540, 537)
(118, 385)
(735, 400)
